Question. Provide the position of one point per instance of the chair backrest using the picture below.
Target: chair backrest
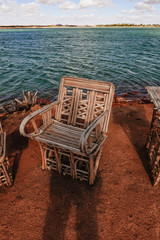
(82, 100)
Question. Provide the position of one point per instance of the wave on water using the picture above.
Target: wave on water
(36, 59)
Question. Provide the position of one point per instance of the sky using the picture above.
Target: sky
(79, 12)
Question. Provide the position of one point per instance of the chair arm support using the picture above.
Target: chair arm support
(85, 135)
(31, 116)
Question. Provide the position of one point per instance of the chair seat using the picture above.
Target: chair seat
(62, 135)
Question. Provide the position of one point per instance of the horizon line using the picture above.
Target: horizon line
(78, 25)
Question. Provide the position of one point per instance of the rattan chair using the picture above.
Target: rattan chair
(71, 139)
(5, 170)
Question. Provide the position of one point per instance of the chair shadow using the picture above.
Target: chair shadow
(15, 146)
(72, 206)
(136, 126)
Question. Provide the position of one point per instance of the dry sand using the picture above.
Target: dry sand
(122, 204)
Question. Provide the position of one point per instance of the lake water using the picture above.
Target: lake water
(36, 59)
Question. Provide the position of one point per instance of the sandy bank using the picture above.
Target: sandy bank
(122, 204)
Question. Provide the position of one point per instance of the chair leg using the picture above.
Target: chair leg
(71, 167)
(72, 163)
(153, 147)
(153, 127)
(44, 164)
(157, 179)
(97, 160)
(8, 180)
(58, 160)
(91, 170)
(66, 162)
(81, 167)
(5, 174)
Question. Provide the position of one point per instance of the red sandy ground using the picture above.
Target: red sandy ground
(122, 204)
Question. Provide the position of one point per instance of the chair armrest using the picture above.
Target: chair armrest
(85, 135)
(31, 116)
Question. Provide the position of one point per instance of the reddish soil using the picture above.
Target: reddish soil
(121, 205)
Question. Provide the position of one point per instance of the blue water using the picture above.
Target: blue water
(36, 59)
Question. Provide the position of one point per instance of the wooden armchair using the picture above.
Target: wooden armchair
(5, 171)
(70, 142)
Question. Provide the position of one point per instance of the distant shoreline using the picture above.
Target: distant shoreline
(79, 26)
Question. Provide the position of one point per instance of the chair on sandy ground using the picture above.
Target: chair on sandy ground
(153, 139)
(71, 141)
(5, 170)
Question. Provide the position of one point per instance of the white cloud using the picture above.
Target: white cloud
(30, 7)
(145, 7)
(1, 2)
(141, 7)
(69, 5)
(78, 18)
(14, 7)
(12, 13)
(11, 6)
(132, 12)
(3, 6)
(151, 1)
(94, 3)
(141, 18)
(49, 2)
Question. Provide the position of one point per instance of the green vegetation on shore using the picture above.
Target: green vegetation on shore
(128, 25)
(79, 26)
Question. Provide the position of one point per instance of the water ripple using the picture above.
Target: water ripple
(36, 59)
